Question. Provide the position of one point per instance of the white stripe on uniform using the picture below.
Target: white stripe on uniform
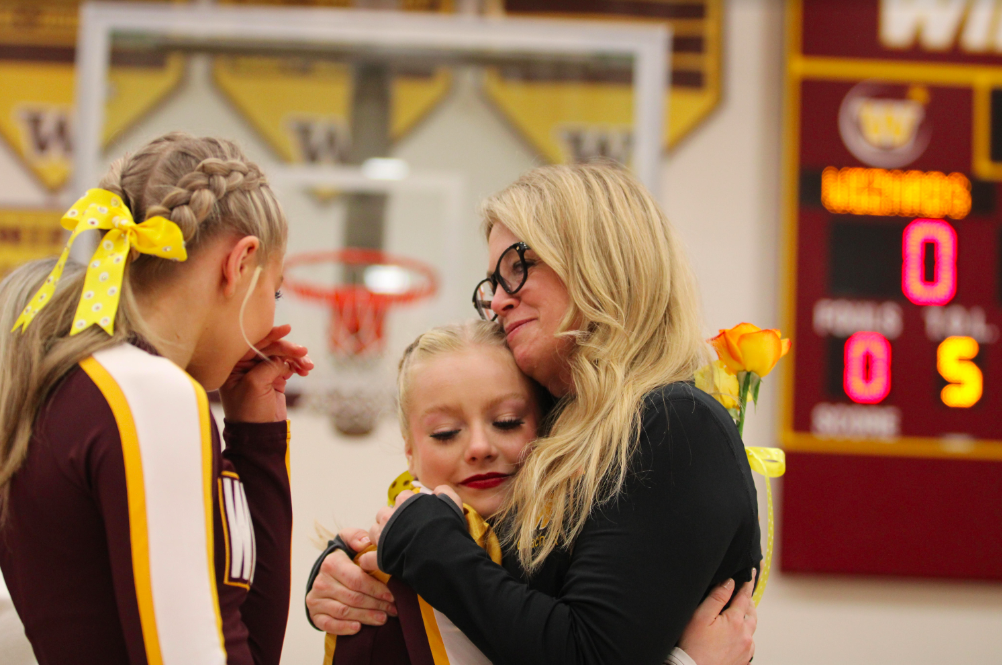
(165, 409)
(458, 647)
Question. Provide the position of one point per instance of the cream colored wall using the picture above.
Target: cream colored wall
(722, 191)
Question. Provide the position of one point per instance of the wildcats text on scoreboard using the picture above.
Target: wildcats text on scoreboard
(969, 25)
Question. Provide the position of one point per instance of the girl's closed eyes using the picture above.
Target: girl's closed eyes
(467, 415)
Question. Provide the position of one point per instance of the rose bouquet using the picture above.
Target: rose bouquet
(746, 354)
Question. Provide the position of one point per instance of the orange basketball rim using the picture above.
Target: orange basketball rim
(358, 311)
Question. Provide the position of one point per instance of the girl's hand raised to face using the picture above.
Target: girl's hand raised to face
(255, 389)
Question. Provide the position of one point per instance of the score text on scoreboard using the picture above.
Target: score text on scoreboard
(895, 253)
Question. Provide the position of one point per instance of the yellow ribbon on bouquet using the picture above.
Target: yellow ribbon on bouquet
(771, 463)
(101, 209)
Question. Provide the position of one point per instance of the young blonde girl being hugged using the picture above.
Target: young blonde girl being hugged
(468, 416)
(126, 535)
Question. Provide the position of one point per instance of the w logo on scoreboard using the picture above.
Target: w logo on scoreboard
(238, 531)
(889, 124)
(885, 125)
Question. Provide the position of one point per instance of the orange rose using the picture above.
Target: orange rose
(748, 348)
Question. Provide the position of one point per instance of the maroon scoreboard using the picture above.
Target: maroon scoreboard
(893, 409)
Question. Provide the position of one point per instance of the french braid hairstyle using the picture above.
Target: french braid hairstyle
(204, 185)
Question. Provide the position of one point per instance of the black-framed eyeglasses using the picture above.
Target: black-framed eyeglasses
(510, 274)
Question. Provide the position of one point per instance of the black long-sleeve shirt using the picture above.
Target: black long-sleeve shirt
(686, 520)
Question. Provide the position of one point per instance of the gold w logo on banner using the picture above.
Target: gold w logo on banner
(37, 83)
(302, 109)
(576, 115)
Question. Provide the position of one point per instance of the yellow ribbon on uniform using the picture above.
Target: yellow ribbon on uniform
(101, 209)
(771, 463)
(482, 533)
(477, 526)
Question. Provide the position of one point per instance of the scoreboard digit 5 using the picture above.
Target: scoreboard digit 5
(893, 409)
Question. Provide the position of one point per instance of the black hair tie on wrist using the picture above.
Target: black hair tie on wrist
(337, 543)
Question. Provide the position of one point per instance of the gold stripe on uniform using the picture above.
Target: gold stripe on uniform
(288, 440)
(205, 426)
(138, 533)
(288, 472)
(330, 642)
(438, 653)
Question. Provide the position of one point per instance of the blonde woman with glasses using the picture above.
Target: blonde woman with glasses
(639, 499)
(127, 536)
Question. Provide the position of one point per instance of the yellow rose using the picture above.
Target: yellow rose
(715, 380)
(748, 348)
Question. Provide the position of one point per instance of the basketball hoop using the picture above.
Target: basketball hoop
(374, 281)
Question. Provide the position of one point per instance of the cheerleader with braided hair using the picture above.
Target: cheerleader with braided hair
(128, 532)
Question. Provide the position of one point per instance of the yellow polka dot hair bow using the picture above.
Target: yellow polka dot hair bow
(101, 209)
(479, 529)
(405, 481)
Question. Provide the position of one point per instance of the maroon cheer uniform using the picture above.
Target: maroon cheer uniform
(132, 538)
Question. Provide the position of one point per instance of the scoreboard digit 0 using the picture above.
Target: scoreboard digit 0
(894, 235)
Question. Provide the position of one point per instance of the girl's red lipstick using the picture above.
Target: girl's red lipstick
(485, 481)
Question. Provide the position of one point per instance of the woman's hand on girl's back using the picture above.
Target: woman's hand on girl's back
(344, 596)
(716, 636)
(255, 389)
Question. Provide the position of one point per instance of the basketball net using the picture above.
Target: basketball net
(359, 393)
(356, 327)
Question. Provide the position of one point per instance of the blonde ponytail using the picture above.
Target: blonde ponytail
(207, 187)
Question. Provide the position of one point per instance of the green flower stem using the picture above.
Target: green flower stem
(744, 378)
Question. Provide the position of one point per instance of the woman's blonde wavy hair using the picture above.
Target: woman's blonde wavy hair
(204, 185)
(635, 316)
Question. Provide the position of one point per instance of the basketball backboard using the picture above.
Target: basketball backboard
(380, 130)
